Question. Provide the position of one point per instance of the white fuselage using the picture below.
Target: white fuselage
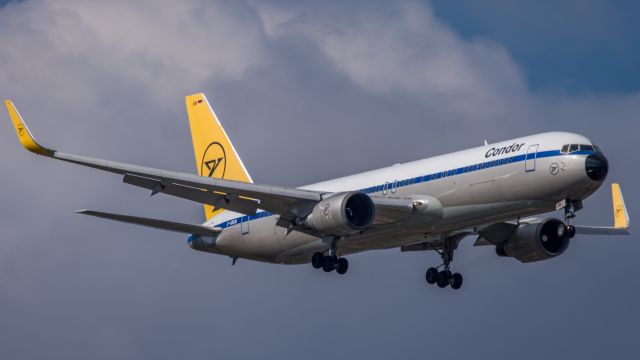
(496, 182)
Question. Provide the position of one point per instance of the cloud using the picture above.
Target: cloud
(307, 91)
(141, 43)
(409, 50)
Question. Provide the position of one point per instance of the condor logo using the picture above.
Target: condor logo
(503, 150)
(214, 161)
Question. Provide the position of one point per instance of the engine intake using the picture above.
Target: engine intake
(342, 214)
(536, 241)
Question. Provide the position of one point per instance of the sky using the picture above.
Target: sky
(307, 91)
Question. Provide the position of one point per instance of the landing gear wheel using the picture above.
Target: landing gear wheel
(342, 266)
(444, 278)
(456, 281)
(317, 260)
(432, 275)
(329, 263)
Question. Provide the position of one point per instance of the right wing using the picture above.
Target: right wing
(205, 190)
(236, 196)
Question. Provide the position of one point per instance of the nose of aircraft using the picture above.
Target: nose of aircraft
(596, 167)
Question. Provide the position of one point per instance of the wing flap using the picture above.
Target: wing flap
(155, 223)
(199, 195)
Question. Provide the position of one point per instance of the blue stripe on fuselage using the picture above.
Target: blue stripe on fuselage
(426, 178)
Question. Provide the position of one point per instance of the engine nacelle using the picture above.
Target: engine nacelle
(342, 214)
(536, 241)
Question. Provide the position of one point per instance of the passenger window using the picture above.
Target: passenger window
(573, 147)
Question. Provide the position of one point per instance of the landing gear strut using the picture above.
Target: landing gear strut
(445, 277)
(331, 261)
(570, 213)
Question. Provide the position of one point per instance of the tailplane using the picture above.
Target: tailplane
(215, 155)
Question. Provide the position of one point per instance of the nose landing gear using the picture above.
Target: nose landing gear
(569, 213)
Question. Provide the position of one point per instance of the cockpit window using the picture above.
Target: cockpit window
(566, 149)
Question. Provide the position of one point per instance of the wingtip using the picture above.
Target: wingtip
(24, 135)
(620, 214)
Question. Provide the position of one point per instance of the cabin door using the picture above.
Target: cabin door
(530, 160)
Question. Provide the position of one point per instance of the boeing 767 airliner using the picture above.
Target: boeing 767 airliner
(432, 204)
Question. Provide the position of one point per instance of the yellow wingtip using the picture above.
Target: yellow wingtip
(620, 215)
(24, 135)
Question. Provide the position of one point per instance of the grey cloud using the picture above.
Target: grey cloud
(304, 96)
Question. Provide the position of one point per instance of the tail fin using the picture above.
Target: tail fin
(215, 155)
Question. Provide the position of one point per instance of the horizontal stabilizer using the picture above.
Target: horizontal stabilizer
(154, 223)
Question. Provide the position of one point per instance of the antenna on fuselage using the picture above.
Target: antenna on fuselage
(486, 143)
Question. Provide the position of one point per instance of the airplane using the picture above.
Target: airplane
(491, 192)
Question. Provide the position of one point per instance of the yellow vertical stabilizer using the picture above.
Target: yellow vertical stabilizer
(215, 155)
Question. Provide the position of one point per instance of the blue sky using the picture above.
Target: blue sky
(574, 46)
(307, 91)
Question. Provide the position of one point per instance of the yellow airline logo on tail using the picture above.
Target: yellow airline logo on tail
(214, 152)
(214, 161)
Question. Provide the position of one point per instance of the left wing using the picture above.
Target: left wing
(620, 217)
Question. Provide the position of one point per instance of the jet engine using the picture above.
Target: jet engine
(342, 214)
(536, 241)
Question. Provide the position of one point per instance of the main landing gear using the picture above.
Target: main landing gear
(445, 277)
(331, 261)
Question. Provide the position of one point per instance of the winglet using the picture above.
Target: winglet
(620, 215)
(24, 135)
